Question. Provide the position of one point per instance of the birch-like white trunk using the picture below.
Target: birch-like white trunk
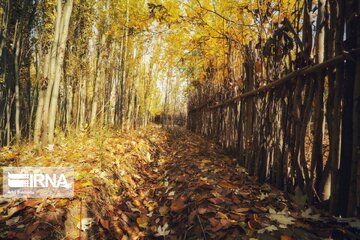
(65, 21)
(48, 96)
(96, 90)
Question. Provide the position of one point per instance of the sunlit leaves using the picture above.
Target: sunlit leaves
(206, 27)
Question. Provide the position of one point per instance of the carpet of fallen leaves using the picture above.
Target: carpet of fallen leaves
(164, 183)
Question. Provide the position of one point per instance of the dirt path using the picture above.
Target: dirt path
(158, 183)
(198, 192)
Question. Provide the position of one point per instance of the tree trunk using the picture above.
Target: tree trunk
(354, 198)
(125, 65)
(41, 99)
(65, 21)
(17, 81)
(317, 150)
(338, 14)
(49, 75)
(96, 89)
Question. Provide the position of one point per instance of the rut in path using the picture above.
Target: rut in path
(164, 183)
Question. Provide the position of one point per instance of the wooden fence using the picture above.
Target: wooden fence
(271, 131)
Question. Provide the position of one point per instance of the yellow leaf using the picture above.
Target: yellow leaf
(86, 184)
(151, 205)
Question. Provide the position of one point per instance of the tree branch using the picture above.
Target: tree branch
(223, 17)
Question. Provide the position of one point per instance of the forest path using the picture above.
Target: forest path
(193, 190)
(158, 182)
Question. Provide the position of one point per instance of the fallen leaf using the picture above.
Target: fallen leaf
(163, 210)
(32, 227)
(105, 223)
(163, 230)
(202, 210)
(216, 200)
(151, 205)
(281, 218)
(213, 222)
(226, 184)
(12, 221)
(85, 224)
(221, 215)
(178, 204)
(308, 214)
(241, 210)
(263, 196)
(32, 202)
(143, 221)
(270, 228)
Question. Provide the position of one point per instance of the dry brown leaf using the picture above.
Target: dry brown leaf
(143, 221)
(32, 227)
(213, 222)
(182, 178)
(225, 221)
(216, 200)
(163, 210)
(226, 184)
(200, 197)
(105, 223)
(32, 202)
(242, 210)
(202, 210)
(178, 204)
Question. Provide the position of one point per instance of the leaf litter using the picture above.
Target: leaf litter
(164, 183)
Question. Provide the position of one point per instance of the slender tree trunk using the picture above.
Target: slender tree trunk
(41, 98)
(4, 29)
(330, 36)
(125, 65)
(49, 75)
(82, 98)
(96, 93)
(354, 196)
(65, 21)
(17, 82)
(118, 105)
(8, 117)
(346, 162)
(317, 150)
(338, 14)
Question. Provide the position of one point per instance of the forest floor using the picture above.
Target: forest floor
(157, 182)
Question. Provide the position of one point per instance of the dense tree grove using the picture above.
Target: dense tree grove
(69, 65)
